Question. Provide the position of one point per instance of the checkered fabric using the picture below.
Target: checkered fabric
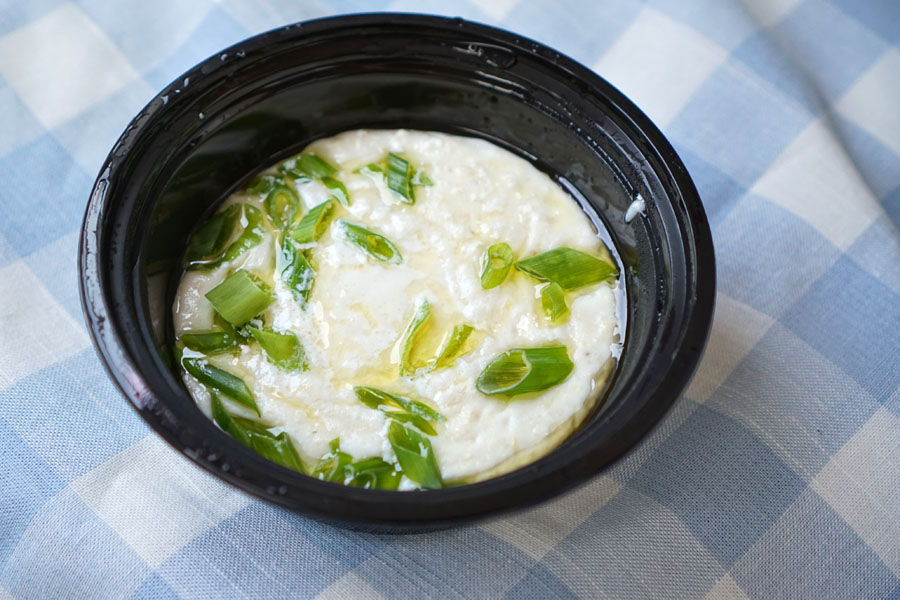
(776, 476)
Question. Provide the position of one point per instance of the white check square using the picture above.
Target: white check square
(61, 64)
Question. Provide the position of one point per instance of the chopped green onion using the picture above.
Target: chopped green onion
(569, 268)
(219, 379)
(375, 245)
(379, 400)
(331, 467)
(452, 346)
(251, 235)
(415, 455)
(523, 370)
(553, 301)
(282, 205)
(296, 272)
(398, 177)
(337, 190)
(415, 420)
(406, 343)
(495, 265)
(313, 223)
(421, 178)
(241, 336)
(373, 473)
(210, 342)
(370, 169)
(253, 434)
(313, 167)
(283, 349)
(240, 297)
(209, 240)
(262, 184)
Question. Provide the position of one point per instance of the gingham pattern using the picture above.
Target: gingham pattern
(778, 473)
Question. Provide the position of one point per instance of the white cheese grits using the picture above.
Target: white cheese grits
(352, 324)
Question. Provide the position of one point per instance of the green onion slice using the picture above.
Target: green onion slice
(402, 352)
(283, 349)
(263, 184)
(313, 224)
(331, 467)
(553, 301)
(209, 241)
(337, 190)
(313, 167)
(398, 177)
(421, 178)
(381, 400)
(523, 370)
(370, 169)
(569, 268)
(240, 297)
(221, 380)
(282, 204)
(296, 272)
(373, 473)
(375, 245)
(210, 342)
(452, 346)
(253, 434)
(495, 265)
(415, 455)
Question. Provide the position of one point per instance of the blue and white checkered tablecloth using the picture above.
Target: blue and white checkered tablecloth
(776, 476)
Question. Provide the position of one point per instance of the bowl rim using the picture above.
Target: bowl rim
(516, 490)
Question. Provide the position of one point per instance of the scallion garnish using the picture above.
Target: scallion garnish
(251, 235)
(313, 223)
(496, 262)
(240, 297)
(398, 177)
(331, 466)
(403, 350)
(283, 349)
(400, 408)
(262, 184)
(373, 473)
(253, 434)
(282, 205)
(375, 245)
(452, 346)
(337, 190)
(312, 166)
(296, 272)
(523, 370)
(569, 268)
(210, 240)
(210, 342)
(553, 301)
(221, 380)
(415, 455)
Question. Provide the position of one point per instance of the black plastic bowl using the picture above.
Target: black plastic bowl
(268, 97)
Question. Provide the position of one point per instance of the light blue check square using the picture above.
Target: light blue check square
(877, 251)
(217, 31)
(738, 122)
(539, 584)
(758, 253)
(723, 482)
(855, 302)
(831, 46)
(285, 563)
(880, 16)
(438, 560)
(76, 419)
(56, 266)
(633, 547)
(44, 194)
(804, 409)
(584, 34)
(13, 110)
(718, 192)
(878, 164)
(720, 21)
(27, 482)
(811, 553)
(154, 587)
(68, 552)
(8, 254)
